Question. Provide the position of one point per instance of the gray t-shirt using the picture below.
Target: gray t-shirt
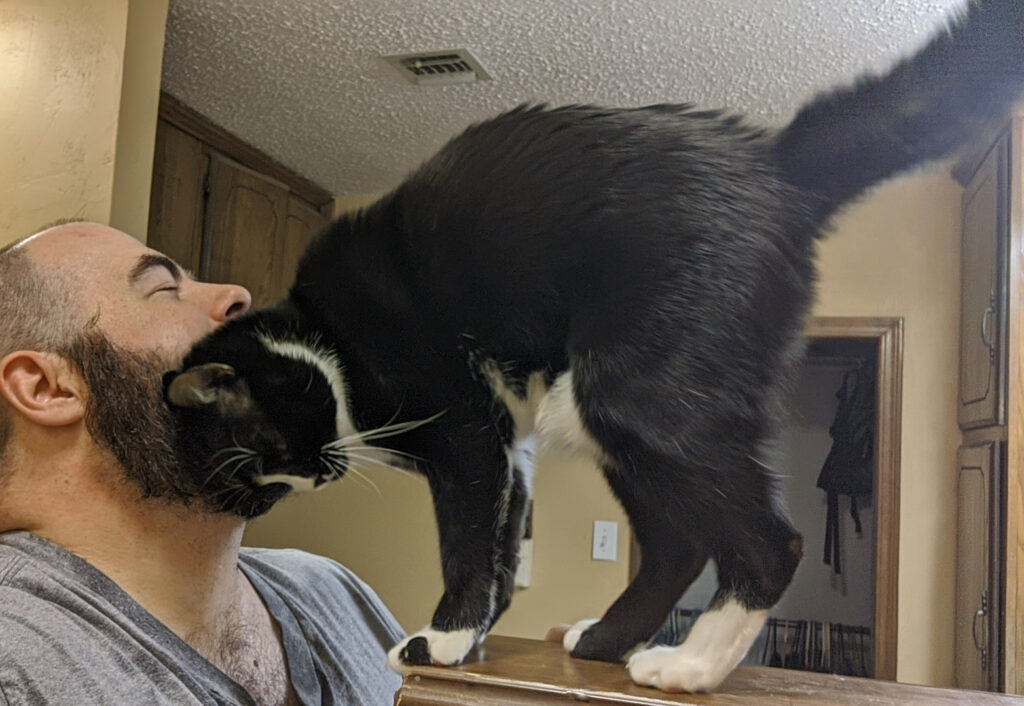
(69, 635)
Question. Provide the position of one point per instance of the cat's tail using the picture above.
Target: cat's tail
(925, 108)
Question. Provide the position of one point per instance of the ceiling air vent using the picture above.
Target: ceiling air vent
(439, 68)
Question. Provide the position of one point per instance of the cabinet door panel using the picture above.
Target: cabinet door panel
(177, 198)
(977, 606)
(303, 224)
(983, 311)
(246, 222)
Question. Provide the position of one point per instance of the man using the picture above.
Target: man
(119, 583)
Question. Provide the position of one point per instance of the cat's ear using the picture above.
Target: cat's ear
(198, 386)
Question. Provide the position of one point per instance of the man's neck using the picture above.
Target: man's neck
(181, 566)
(179, 563)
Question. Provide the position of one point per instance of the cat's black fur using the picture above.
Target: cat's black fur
(662, 255)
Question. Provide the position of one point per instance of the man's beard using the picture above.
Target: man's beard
(126, 414)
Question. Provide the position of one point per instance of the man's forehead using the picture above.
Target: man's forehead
(75, 245)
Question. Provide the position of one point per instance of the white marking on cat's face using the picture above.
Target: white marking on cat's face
(297, 483)
(716, 644)
(328, 365)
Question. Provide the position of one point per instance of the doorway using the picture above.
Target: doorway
(847, 341)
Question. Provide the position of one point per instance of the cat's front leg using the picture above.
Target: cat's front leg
(480, 519)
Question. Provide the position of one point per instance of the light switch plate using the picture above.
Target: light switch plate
(606, 539)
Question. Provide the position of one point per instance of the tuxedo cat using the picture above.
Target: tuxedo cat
(625, 285)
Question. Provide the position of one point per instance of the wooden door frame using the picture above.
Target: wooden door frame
(887, 335)
(1012, 550)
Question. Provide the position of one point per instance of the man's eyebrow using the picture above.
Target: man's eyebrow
(149, 261)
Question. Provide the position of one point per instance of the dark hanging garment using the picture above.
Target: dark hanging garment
(849, 466)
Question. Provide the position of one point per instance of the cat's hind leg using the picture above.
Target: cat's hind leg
(755, 564)
(683, 444)
(669, 562)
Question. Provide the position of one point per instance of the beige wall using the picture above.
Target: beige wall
(140, 101)
(59, 97)
(383, 529)
(62, 117)
(567, 585)
(898, 254)
(352, 202)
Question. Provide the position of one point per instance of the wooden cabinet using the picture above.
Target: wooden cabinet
(227, 212)
(977, 580)
(989, 646)
(983, 302)
(180, 165)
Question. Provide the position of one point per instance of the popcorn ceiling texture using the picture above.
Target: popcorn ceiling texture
(302, 81)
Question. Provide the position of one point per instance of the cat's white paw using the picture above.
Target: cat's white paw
(572, 636)
(666, 669)
(716, 644)
(444, 648)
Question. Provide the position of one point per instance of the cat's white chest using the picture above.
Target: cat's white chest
(548, 414)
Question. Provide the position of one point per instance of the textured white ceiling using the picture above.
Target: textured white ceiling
(302, 79)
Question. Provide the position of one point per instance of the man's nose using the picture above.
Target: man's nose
(229, 301)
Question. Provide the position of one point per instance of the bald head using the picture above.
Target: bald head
(77, 253)
(38, 304)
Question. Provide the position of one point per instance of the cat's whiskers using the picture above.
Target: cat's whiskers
(228, 449)
(387, 430)
(238, 467)
(392, 452)
(372, 455)
(371, 461)
(233, 494)
(356, 474)
(345, 456)
(241, 458)
(337, 463)
(382, 453)
(335, 460)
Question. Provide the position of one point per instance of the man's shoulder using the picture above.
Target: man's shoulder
(49, 621)
(35, 631)
(28, 587)
(51, 652)
(317, 584)
(26, 619)
(303, 576)
(293, 564)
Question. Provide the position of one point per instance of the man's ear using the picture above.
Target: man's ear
(43, 388)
